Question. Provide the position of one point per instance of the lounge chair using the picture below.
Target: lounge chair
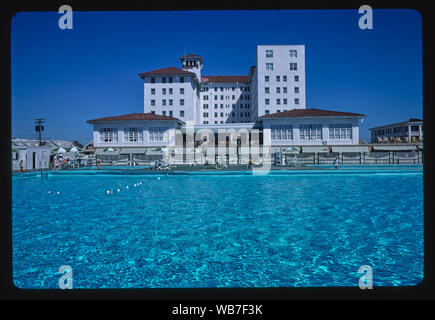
(121, 162)
(141, 162)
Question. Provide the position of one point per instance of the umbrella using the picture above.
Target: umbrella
(291, 150)
(60, 150)
(75, 149)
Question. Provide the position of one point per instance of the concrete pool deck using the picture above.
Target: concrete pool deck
(212, 168)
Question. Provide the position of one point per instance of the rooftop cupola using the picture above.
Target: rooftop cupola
(192, 63)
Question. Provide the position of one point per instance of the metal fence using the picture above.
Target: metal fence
(274, 158)
(396, 157)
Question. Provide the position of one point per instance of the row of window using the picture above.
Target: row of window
(292, 53)
(233, 97)
(170, 113)
(381, 132)
(153, 91)
(246, 106)
(221, 122)
(311, 132)
(278, 78)
(205, 89)
(278, 90)
(278, 102)
(233, 114)
(170, 101)
(293, 66)
(133, 134)
(169, 79)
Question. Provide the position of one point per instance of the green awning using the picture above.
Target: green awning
(106, 151)
(310, 149)
(155, 151)
(14, 150)
(350, 148)
(291, 150)
(395, 148)
(133, 150)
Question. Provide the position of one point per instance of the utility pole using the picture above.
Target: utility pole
(39, 128)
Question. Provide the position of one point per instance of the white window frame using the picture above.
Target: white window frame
(157, 134)
(281, 132)
(108, 135)
(310, 132)
(340, 131)
(133, 134)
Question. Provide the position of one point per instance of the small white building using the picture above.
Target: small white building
(33, 156)
(311, 127)
(407, 131)
(140, 136)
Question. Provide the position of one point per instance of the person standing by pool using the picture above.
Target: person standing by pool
(98, 165)
(335, 163)
(56, 163)
(21, 166)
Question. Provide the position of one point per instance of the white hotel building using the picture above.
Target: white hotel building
(269, 101)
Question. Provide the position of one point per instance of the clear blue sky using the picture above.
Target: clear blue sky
(70, 76)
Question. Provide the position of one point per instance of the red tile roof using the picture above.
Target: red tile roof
(311, 113)
(224, 78)
(169, 70)
(191, 56)
(133, 116)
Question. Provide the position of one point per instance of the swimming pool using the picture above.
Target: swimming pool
(286, 229)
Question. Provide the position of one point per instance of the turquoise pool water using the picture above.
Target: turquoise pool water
(296, 229)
